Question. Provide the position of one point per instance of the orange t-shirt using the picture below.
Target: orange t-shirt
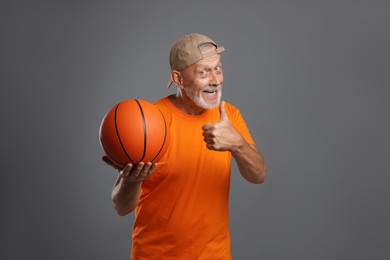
(183, 209)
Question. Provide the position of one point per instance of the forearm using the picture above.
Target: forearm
(125, 196)
(250, 163)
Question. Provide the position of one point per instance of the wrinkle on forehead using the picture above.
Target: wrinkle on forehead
(212, 61)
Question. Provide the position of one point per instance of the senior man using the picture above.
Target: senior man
(181, 203)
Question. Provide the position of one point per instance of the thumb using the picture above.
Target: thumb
(222, 112)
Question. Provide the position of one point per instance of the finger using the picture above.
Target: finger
(207, 126)
(222, 112)
(210, 146)
(126, 170)
(138, 169)
(209, 140)
(145, 169)
(153, 168)
(207, 134)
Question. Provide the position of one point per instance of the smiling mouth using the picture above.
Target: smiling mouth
(210, 91)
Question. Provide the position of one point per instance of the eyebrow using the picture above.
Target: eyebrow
(208, 67)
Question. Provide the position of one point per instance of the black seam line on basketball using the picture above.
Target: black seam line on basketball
(165, 137)
(119, 137)
(144, 121)
(115, 161)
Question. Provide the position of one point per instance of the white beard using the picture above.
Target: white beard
(196, 96)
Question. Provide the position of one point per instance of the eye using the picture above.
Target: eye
(203, 73)
(218, 69)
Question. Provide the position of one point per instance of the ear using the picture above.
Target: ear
(177, 78)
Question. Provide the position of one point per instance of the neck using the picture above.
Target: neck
(186, 105)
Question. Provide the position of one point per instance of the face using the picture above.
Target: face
(202, 82)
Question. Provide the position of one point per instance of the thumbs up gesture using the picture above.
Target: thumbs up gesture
(222, 136)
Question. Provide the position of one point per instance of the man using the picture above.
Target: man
(181, 203)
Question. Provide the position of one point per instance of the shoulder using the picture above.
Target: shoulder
(229, 106)
(234, 114)
(161, 101)
(231, 109)
(163, 105)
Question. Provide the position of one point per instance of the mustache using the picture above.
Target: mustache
(209, 88)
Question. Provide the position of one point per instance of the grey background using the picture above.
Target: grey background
(310, 77)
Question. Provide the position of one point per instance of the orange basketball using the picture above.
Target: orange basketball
(134, 131)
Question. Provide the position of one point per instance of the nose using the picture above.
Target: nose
(215, 80)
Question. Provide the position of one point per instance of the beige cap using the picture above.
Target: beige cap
(186, 51)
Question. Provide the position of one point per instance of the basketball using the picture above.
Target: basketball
(134, 131)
